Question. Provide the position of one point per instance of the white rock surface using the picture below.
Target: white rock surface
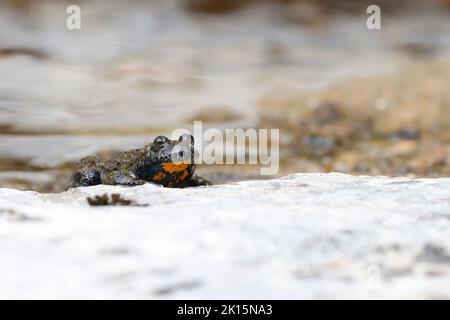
(301, 236)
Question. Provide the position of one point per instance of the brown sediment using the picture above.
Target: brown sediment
(393, 125)
(389, 125)
(214, 115)
(114, 199)
(325, 6)
(35, 53)
(214, 6)
(6, 129)
(17, 164)
(22, 184)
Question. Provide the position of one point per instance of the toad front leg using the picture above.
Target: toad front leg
(122, 178)
(87, 173)
(197, 181)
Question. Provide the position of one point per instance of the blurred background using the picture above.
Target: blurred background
(345, 98)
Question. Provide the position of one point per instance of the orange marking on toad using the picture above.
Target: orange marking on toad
(172, 167)
(159, 176)
(184, 175)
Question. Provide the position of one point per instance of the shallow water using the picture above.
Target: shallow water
(134, 71)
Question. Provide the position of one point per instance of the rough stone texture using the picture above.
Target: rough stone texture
(301, 236)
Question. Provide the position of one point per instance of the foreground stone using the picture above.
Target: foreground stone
(301, 236)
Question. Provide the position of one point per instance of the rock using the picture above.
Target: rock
(327, 113)
(402, 148)
(426, 161)
(300, 236)
(405, 134)
(317, 146)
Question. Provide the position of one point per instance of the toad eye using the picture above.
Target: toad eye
(187, 138)
(160, 140)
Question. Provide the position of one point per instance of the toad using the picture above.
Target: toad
(166, 162)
